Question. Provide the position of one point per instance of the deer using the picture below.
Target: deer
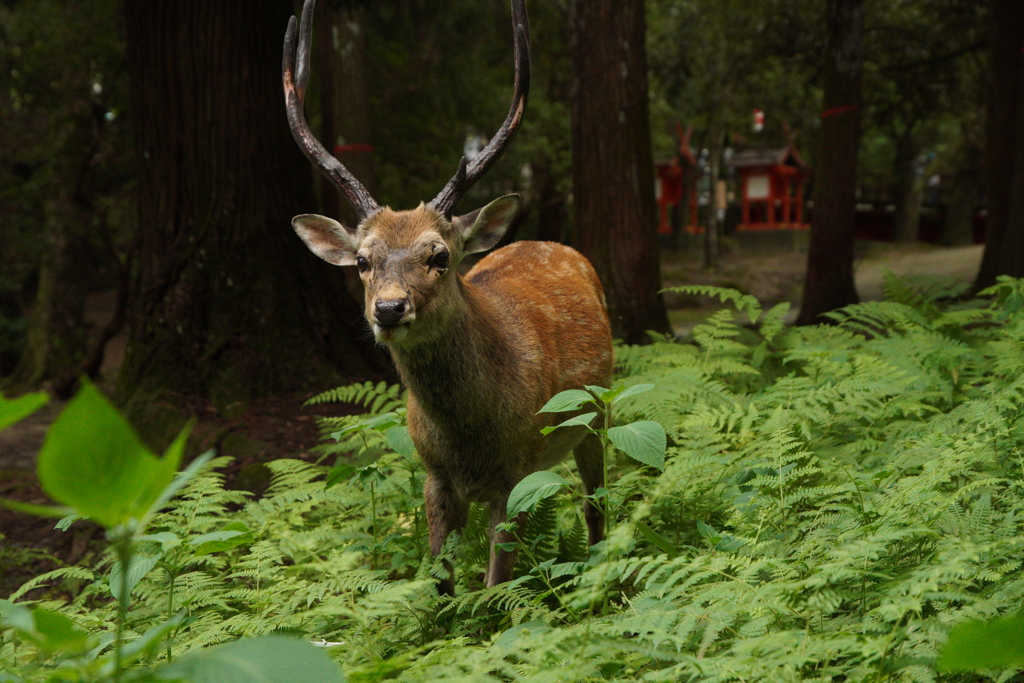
(479, 353)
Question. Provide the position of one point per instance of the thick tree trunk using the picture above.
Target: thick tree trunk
(613, 169)
(231, 304)
(829, 282)
(1004, 163)
(344, 108)
(56, 341)
(907, 219)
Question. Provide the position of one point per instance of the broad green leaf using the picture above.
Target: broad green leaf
(644, 441)
(633, 391)
(380, 423)
(601, 393)
(145, 645)
(138, 567)
(182, 478)
(400, 441)
(533, 489)
(166, 539)
(975, 645)
(656, 539)
(93, 461)
(578, 421)
(566, 400)
(339, 474)
(60, 513)
(17, 409)
(270, 659)
(526, 629)
(231, 536)
(48, 631)
(65, 522)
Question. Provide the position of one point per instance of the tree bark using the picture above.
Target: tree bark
(344, 107)
(613, 169)
(907, 219)
(829, 282)
(230, 303)
(56, 340)
(1004, 162)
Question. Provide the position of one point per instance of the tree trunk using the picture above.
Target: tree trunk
(230, 304)
(552, 214)
(964, 193)
(56, 340)
(613, 169)
(344, 109)
(907, 219)
(829, 282)
(1004, 162)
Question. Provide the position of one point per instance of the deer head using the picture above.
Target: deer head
(406, 259)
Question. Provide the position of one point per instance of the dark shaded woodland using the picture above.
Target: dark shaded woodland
(145, 157)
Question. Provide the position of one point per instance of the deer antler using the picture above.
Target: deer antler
(469, 173)
(295, 79)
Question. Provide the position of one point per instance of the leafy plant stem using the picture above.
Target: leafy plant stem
(606, 409)
(171, 576)
(124, 556)
(544, 575)
(373, 512)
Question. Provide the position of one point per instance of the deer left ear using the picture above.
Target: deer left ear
(481, 229)
(327, 238)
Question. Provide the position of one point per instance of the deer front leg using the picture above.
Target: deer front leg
(446, 512)
(499, 567)
(590, 462)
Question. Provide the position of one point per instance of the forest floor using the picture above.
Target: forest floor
(768, 266)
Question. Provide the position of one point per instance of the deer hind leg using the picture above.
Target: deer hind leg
(446, 512)
(501, 562)
(590, 463)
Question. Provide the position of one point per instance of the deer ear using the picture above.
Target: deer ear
(482, 228)
(327, 238)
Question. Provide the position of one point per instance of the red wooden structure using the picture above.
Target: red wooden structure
(772, 188)
(674, 179)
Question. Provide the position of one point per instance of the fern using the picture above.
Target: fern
(375, 398)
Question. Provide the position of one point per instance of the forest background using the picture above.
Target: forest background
(145, 158)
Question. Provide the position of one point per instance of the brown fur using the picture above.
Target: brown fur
(481, 355)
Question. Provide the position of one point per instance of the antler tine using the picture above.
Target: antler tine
(295, 75)
(467, 176)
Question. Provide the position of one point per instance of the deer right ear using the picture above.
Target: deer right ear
(327, 238)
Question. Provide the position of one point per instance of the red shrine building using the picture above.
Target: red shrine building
(771, 188)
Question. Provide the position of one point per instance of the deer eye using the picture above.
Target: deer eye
(439, 260)
(362, 264)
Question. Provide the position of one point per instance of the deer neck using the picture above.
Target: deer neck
(463, 363)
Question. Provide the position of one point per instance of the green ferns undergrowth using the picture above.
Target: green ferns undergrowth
(834, 500)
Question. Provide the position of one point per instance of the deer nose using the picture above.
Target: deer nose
(391, 311)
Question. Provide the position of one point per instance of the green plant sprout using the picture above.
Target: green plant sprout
(94, 463)
(644, 441)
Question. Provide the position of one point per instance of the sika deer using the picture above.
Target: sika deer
(480, 353)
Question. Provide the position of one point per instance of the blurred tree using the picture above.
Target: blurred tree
(829, 281)
(230, 303)
(919, 89)
(341, 85)
(613, 170)
(64, 173)
(1004, 155)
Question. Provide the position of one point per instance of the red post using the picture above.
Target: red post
(800, 202)
(787, 219)
(746, 203)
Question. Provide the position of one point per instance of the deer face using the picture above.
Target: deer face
(407, 259)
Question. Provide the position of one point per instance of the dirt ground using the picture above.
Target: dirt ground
(768, 266)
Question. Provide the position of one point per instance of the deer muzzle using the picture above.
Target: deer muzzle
(391, 319)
